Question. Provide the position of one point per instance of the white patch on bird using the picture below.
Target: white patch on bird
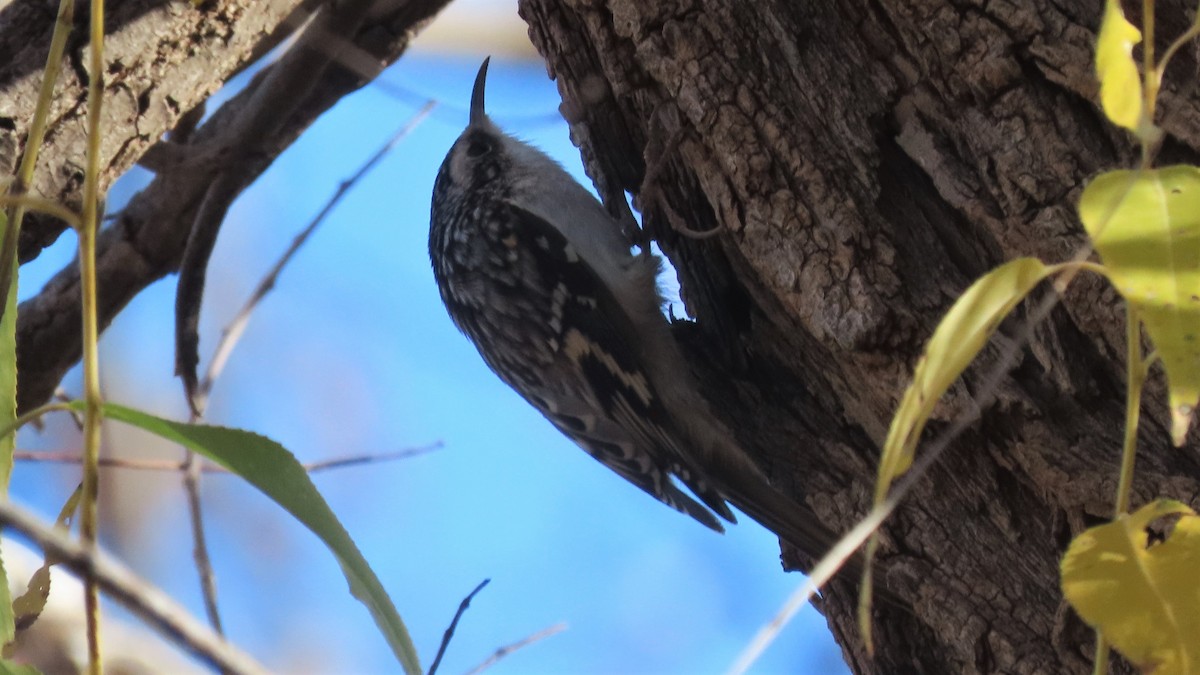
(668, 285)
(557, 300)
(569, 252)
(577, 346)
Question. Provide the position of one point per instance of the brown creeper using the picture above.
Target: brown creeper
(541, 279)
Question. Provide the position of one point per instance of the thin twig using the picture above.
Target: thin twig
(822, 572)
(192, 272)
(280, 93)
(233, 332)
(651, 194)
(153, 606)
(204, 569)
(462, 607)
(32, 416)
(355, 460)
(831, 562)
(508, 649)
(197, 392)
(61, 396)
(145, 243)
(205, 467)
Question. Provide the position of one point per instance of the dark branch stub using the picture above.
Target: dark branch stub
(462, 607)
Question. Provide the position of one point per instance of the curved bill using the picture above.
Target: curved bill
(477, 113)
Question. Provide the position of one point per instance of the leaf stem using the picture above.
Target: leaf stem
(1136, 368)
(93, 415)
(1150, 73)
(37, 133)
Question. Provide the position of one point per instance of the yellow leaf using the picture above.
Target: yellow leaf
(29, 605)
(1144, 600)
(1146, 227)
(964, 330)
(1120, 85)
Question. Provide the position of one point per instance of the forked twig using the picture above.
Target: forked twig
(138, 596)
(651, 195)
(233, 332)
(198, 392)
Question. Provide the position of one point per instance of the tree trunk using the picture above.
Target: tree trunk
(865, 162)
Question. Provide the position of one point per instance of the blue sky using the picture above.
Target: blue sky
(353, 353)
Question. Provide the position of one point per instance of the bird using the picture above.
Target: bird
(547, 286)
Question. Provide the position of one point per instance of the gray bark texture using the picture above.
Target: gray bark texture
(865, 162)
(167, 57)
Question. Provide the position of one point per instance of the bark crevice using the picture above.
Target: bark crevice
(868, 161)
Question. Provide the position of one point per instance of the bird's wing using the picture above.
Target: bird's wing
(598, 392)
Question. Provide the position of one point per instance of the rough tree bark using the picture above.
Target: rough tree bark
(866, 161)
(160, 69)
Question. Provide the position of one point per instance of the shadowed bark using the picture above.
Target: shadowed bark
(147, 238)
(866, 162)
(164, 58)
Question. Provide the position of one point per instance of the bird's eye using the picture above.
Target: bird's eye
(478, 146)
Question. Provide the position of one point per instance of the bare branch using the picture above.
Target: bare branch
(193, 270)
(355, 460)
(146, 241)
(462, 607)
(187, 312)
(72, 457)
(60, 395)
(169, 63)
(204, 570)
(233, 332)
(135, 594)
(279, 95)
(508, 649)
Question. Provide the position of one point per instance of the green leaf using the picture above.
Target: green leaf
(1120, 84)
(8, 625)
(964, 331)
(1146, 227)
(8, 374)
(269, 467)
(8, 418)
(9, 668)
(1143, 599)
